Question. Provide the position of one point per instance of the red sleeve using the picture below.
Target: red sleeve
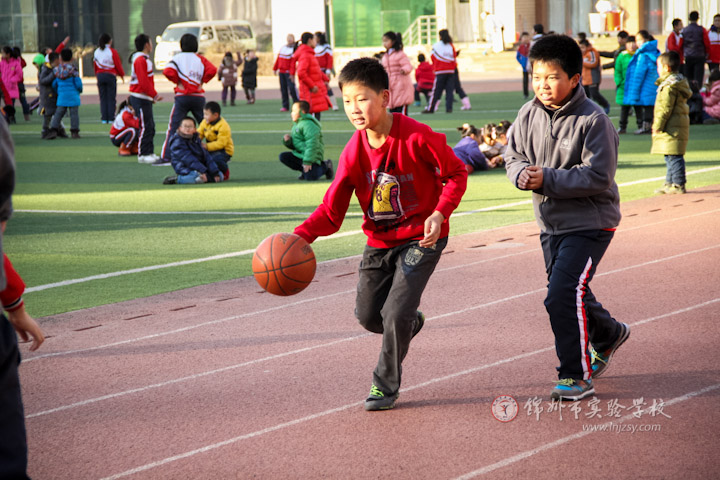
(329, 215)
(11, 297)
(60, 48)
(706, 41)
(118, 63)
(452, 172)
(293, 65)
(171, 74)
(130, 120)
(146, 85)
(275, 65)
(23, 63)
(210, 69)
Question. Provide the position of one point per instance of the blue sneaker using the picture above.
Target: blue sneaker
(571, 389)
(601, 361)
(378, 400)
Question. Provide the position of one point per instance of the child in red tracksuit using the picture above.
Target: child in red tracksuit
(124, 130)
(188, 70)
(408, 182)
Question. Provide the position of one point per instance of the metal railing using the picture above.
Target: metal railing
(424, 30)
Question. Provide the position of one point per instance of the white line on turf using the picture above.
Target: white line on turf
(561, 441)
(102, 276)
(325, 413)
(286, 213)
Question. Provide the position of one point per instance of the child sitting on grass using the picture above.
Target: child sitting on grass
(192, 163)
(306, 146)
(124, 130)
(468, 150)
(216, 132)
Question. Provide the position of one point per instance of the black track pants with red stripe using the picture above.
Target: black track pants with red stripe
(576, 317)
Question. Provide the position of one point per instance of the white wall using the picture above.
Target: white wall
(291, 16)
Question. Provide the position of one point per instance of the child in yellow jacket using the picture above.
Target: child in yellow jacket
(218, 137)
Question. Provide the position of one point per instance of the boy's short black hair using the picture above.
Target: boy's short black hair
(538, 28)
(140, 42)
(560, 50)
(622, 34)
(694, 16)
(304, 106)
(52, 56)
(189, 43)
(189, 118)
(671, 59)
(66, 54)
(365, 71)
(213, 107)
(631, 39)
(421, 57)
(675, 22)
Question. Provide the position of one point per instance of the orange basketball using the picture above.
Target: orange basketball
(283, 264)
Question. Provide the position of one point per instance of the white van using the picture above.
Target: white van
(213, 36)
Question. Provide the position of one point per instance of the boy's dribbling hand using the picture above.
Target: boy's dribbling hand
(432, 229)
(531, 178)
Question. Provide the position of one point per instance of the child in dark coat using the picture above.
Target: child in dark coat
(249, 75)
(192, 163)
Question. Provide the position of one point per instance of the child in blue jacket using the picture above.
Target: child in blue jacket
(640, 88)
(191, 161)
(68, 86)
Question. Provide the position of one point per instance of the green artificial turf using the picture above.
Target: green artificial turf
(166, 224)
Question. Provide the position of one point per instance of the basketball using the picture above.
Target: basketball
(283, 264)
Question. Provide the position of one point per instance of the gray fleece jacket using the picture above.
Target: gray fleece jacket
(578, 149)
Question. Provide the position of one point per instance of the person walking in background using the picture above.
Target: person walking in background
(696, 47)
(622, 36)
(11, 75)
(521, 56)
(324, 55)
(188, 70)
(227, 74)
(108, 67)
(249, 75)
(592, 75)
(284, 68)
(640, 88)
(398, 67)
(713, 60)
(674, 42)
(444, 65)
(621, 65)
(142, 97)
(68, 86)
(311, 78)
(671, 123)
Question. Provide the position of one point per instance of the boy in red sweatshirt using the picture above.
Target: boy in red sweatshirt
(408, 182)
(142, 97)
(188, 70)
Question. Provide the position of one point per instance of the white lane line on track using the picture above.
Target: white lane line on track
(323, 345)
(69, 352)
(561, 441)
(325, 413)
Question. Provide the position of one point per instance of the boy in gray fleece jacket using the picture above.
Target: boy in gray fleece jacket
(563, 147)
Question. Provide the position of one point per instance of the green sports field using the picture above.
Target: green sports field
(92, 228)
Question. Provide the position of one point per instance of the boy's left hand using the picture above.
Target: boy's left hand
(306, 167)
(432, 229)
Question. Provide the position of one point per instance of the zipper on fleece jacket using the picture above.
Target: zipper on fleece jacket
(548, 137)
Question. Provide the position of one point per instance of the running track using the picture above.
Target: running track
(223, 381)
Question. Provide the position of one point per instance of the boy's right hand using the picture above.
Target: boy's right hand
(26, 327)
(286, 137)
(531, 178)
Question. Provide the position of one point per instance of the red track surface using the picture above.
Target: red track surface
(223, 381)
